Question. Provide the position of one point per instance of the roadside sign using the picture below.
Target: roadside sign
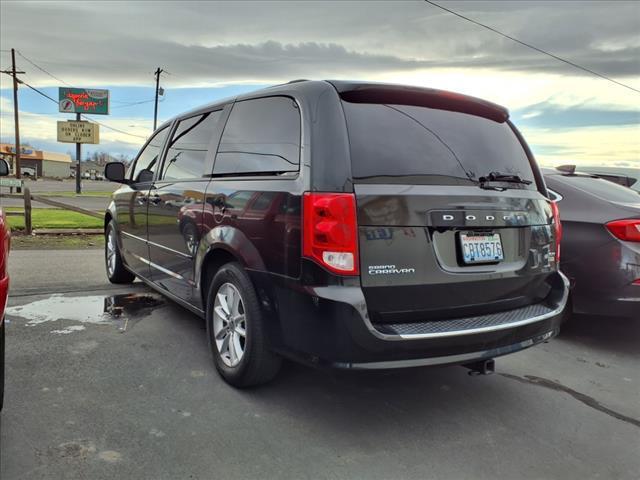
(83, 100)
(10, 182)
(78, 132)
(23, 150)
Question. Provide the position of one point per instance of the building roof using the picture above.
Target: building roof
(33, 154)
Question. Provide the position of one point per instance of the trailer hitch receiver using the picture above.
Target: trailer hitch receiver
(483, 367)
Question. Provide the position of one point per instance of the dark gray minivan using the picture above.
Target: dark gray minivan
(345, 224)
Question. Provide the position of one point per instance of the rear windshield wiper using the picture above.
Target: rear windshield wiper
(501, 177)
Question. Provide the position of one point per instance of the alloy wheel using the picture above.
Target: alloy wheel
(111, 252)
(229, 324)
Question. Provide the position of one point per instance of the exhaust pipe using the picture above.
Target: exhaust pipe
(483, 367)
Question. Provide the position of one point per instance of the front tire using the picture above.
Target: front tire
(236, 330)
(116, 271)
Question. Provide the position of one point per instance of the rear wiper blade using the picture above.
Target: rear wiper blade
(502, 177)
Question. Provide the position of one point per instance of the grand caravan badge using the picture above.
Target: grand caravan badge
(389, 270)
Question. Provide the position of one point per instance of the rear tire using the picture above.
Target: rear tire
(236, 330)
(116, 271)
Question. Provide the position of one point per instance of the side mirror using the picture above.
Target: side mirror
(217, 201)
(115, 172)
(4, 168)
(145, 176)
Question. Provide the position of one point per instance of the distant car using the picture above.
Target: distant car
(5, 242)
(28, 172)
(627, 176)
(600, 242)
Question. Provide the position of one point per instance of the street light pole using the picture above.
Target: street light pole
(155, 108)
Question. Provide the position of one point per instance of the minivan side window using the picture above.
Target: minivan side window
(188, 147)
(261, 136)
(147, 160)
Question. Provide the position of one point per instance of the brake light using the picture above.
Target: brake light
(330, 231)
(627, 230)
(636, 282)
(557, 227)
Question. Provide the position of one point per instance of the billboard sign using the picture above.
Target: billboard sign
(83, 100)
(23, 150)
(78, 132)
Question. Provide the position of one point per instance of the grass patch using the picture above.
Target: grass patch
(54, 218)
(57, 242)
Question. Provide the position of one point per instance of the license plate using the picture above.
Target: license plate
(481, 248)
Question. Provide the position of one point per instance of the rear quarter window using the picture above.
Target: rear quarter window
(261, 136)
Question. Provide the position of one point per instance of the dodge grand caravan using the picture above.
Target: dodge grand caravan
(344, 224)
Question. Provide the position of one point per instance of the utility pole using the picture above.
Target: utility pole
(14, 73)
(155, 108)
(78, 154)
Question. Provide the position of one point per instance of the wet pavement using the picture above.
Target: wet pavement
(117, 383)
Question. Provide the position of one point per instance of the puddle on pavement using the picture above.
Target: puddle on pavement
(123, 310)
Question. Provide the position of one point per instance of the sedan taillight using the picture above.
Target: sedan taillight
(627, 230)
(330, 231)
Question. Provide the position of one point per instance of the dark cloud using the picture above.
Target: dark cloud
(117, 42)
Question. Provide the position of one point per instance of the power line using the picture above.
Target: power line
(82, 115)
(112, 128)
(568, 62)
(56, 101)
(131, 104)
(43, 70)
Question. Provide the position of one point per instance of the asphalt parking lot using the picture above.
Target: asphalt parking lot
(131, 393)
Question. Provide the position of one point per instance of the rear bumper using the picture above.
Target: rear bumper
(330, 326)
(602, 277)
(624, 304)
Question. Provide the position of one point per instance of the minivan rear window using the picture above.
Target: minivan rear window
(420, 145)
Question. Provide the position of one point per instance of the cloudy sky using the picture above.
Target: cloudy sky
(215, 49)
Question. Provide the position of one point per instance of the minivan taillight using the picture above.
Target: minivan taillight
(557, 225)
(330, 231)
(627, 230)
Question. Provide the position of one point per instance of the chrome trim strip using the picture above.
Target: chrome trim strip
(455, 333)
(158, 267)
(451, 359)
(184, 255)
(167, 293)
(149, 242)
(135, 237)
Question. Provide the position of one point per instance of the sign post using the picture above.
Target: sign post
(78, 157)
(79, 101)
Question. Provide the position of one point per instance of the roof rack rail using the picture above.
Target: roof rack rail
(298, 80)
